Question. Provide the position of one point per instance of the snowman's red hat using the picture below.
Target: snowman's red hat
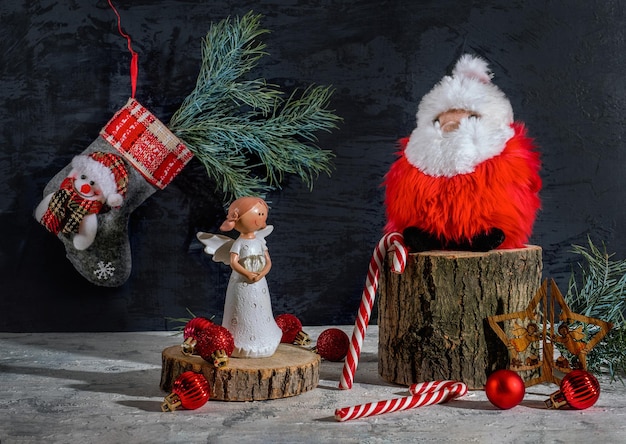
(108, 172)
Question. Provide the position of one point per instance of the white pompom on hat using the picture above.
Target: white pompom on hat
(108, 172)
(472, 67)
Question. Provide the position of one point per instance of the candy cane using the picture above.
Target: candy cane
(386, 243)
(437, 393)
(456, 388)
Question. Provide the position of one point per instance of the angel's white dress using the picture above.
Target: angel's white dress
(248, 308)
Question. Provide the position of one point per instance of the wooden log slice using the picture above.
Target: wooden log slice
(432, 319)
(290, 371)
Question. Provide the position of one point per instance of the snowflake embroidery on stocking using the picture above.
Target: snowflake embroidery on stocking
(104, 271)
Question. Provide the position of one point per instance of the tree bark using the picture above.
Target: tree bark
(290, 371)
(433, 317)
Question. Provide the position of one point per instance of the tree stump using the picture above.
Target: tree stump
(291, 370)
(432, 318)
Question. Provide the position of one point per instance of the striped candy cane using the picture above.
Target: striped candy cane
(456, 388)
(437, 393)
(386, 243)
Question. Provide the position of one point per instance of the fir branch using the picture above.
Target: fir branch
(237, 127)
(600, 292)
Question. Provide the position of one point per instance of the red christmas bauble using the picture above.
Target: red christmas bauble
(194, 326)
(505, 389)
(332, 344)
(190, 333)
(580, 388)
(290, 325)
(190, 390)
(215, 344)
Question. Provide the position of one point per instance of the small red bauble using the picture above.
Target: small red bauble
(332, 344)
(579, 389)
(191, 331)
(190, 390)
(215, 344)
(290, 325)
(505, 389)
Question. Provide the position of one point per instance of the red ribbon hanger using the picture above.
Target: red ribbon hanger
(133, 62)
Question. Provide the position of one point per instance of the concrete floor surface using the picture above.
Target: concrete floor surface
(104, 388)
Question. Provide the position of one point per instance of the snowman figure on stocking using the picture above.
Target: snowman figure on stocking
(96, 183)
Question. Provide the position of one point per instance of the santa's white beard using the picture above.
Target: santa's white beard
(457, 152)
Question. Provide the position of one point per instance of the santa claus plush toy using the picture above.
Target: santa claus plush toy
(468, 176)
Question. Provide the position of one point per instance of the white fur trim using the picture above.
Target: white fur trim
(465, 93)
(96, 171)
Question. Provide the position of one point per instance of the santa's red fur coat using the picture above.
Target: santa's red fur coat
(502, 192)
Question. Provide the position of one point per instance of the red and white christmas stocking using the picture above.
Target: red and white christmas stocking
(88, 203)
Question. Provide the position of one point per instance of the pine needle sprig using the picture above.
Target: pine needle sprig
(600, 292)
(278, 140)
(244, 132)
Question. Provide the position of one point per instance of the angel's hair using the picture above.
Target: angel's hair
(238, 208)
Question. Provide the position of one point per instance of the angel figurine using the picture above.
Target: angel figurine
(247, 308)
(572, 338)
(524, 336)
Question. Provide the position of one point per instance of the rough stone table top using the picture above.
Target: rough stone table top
(104, 388)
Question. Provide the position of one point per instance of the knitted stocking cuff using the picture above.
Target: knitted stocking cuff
(146, 143)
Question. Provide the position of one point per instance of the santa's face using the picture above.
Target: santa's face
(86, 187)
(450, 120)
(456, 142)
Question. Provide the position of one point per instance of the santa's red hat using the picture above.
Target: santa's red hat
(108, 172)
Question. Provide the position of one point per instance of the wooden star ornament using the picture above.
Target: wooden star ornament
(530, 335)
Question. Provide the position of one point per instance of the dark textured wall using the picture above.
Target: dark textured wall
(64, 72)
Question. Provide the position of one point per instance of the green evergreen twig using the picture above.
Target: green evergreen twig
(237, 127)
(600, 292)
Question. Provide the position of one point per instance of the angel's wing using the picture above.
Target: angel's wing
(216, 245)
(577, 334)
(519, 330)
(264, 232)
